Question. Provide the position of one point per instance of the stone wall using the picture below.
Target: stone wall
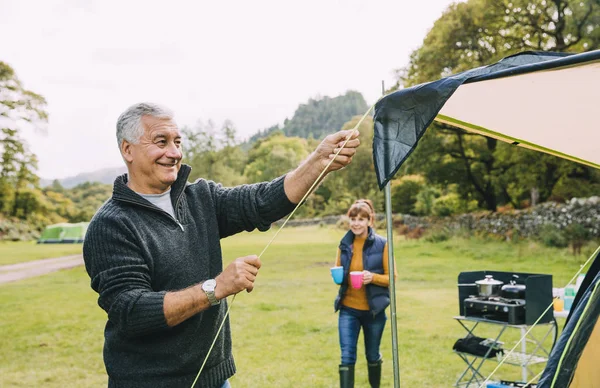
(529, 221)
(584, 211)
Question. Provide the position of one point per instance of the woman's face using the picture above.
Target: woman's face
(359, 225)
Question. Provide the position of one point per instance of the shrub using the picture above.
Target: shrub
(438, 234)
(404, 193)
(425, 200)
(577, 235)
(551, 236)
(451, 204)
(446, 205)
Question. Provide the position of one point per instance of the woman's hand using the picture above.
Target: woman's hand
(367, 277)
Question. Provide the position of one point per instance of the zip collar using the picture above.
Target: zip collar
(122, 192)
(348, 239)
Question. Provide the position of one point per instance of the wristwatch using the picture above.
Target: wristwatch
(209, 289)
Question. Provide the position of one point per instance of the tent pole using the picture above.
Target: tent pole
(392, 272)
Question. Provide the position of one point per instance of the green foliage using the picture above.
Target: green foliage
(446, 205)
(20, 196)
(451, 204)
(437, 235)
(322, 116)
(476, 33)
(576, 181)
(274, 156)
(214, 155)
(404, 193)
(551, 236)
(574, 232)
(86, 198)
(425, 200)
(13, 229)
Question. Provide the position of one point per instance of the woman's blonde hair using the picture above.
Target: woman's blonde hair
(363, 207)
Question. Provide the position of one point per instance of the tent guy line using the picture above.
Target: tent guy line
(308, 192)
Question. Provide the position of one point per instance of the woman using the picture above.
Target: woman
(362, 249)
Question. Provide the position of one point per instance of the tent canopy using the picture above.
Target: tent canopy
(64, 233)
(539, 100)
(543, 101)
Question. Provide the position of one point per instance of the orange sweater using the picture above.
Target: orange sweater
(357, 298)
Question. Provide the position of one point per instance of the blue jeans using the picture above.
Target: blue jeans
(226, 384)
(350, 322)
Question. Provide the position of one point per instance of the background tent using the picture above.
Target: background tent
(507, 101)
(64, 233)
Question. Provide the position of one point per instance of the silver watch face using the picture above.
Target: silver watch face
(209, 285)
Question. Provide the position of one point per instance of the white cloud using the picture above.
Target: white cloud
(251, 62)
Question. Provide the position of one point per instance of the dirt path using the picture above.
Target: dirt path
(14, 272)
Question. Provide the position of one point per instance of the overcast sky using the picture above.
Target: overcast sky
(251, 62)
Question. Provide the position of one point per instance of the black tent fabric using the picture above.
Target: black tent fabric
(402, 117)
(568, 355)
(585, 284)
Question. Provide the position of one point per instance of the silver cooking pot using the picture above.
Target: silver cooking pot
(489, 286)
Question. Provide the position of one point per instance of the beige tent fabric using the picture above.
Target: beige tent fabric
(587, 374)
(556, 109)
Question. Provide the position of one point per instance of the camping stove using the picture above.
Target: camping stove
(496, 308)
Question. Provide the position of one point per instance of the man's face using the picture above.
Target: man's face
(155, 160)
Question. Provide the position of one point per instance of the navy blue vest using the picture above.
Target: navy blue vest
(377, 296)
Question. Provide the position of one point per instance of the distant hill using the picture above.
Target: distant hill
(319, 117)
(106, 175)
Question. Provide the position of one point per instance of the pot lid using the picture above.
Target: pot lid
(489, 279)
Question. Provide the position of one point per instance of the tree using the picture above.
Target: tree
(213, 154)
(322, 116)
(26, 183)
(480, 32)
(19, 107)
(274, 156)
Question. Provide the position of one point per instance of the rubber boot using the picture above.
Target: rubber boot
(346, 376)
(375, 373)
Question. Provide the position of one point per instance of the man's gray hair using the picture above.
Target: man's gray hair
(129, 124)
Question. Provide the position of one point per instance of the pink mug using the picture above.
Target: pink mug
(356, 279)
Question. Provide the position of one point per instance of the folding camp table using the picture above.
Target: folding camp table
(472, 376)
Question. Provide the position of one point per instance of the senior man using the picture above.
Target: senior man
(153, 253)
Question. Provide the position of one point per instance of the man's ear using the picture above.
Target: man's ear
(126, 151)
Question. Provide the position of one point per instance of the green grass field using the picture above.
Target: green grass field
(285, 332)
(22, 251)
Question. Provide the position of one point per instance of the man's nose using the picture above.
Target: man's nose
(174, 151)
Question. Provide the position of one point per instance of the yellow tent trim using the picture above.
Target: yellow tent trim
(587, 374)
(521, 143)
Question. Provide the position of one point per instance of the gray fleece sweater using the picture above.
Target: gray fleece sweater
(135, 252)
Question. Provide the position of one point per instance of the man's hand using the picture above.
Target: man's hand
(330, 146)
(298, 182)
(238, 276)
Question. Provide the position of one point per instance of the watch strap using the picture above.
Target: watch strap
(212, 298)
